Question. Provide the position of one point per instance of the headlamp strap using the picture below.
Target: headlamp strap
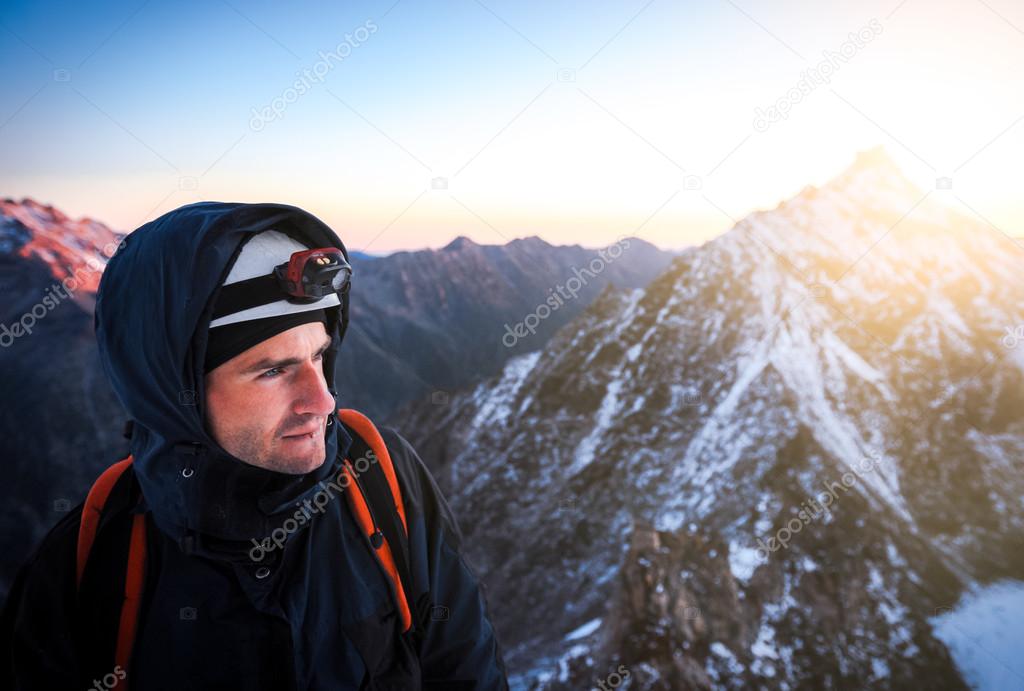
(308, 276)
(243, 295)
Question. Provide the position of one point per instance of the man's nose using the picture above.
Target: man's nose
(313, 396)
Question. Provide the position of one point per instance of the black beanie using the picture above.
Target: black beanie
(225, 342)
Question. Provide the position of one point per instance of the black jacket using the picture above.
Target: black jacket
(324, 618)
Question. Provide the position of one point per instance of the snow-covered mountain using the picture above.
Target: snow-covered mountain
(61, 422)
(431, 321)
(70, 248)
(843, 374)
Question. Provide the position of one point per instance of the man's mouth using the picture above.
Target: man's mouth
(299, 437)
(303, 435)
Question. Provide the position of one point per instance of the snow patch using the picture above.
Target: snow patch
(584, 454)
(494, 403)
(730, 661)
(743, 561)
(984, 634)
(583, 631)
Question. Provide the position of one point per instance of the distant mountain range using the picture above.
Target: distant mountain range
(422, 323)
(770, 468)
(428, 322)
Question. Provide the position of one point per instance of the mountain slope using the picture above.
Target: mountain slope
(435, 320)
(831, 374)
(62, 422)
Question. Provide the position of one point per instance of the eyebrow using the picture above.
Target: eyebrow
(270, 363)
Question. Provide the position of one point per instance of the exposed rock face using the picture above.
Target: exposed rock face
(817, 417)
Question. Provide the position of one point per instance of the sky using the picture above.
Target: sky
(405, 124)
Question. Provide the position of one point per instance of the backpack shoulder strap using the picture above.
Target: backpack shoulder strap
(92, 513)
(375, 498)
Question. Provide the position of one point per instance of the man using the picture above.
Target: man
(218, 325)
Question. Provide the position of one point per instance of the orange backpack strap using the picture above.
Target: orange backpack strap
(92, 512)
(375, 498)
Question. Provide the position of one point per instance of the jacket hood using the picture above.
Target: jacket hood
(153, 309)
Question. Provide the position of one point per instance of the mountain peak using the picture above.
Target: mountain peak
(875, 157)
(872, 171)
(530, 244)
(875, 163)
(531, 241)
(68, 247)
(460, 243)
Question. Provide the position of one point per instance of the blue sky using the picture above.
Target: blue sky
(578, 123)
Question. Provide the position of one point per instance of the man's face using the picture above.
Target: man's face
(268, 406)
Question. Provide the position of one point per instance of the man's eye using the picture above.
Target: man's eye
(271, 373)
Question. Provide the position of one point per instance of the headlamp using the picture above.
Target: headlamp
(307, 276)
(312, 274)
